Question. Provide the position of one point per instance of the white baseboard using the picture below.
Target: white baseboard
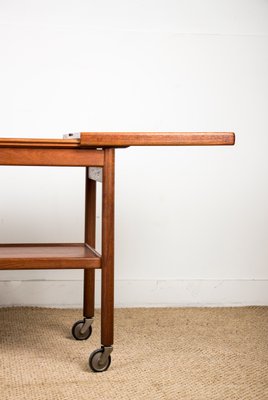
(138, 293)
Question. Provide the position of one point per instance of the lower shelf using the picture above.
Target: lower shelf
(48, 256)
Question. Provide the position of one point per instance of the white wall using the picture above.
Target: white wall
(191, 223)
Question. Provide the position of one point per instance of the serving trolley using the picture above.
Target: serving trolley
(96, 152)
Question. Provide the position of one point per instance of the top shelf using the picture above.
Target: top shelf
(125, 139)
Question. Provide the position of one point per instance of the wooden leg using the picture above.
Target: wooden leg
(107, 283)
(90, 238)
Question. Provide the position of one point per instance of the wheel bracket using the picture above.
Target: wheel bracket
(106, 351)
(87, 323)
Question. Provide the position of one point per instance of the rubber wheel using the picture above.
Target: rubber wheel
(94, 361)
(76, 331)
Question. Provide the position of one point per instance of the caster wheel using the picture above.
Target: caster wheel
(76, 331)
(94, 361)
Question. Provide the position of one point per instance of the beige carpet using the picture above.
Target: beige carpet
(179, 353)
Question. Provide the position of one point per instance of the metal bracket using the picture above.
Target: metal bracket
(95, 173)
(72, 136)
(105, 355)
(87, 323)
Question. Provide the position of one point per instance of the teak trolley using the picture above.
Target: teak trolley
(96, 152)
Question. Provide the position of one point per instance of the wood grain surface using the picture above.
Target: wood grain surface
(47, 256)
(44, 143)
(51, 157)
(90, 239)
(122, 139)
(107, 265)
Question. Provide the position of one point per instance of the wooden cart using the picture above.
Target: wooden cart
(96, 152)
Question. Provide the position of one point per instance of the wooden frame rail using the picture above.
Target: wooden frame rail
(51, 157)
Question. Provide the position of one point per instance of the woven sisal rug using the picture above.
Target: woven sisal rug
(168, 353)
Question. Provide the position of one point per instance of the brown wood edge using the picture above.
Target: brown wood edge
(93, 140)
(94, 251)
(43, 245)
(40, 143)
(126, 139)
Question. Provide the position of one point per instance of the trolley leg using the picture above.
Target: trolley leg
(100, 359)
(107, 284)
(90, 238)
(82, 329)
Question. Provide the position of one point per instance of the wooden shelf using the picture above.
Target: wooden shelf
(48, 256)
